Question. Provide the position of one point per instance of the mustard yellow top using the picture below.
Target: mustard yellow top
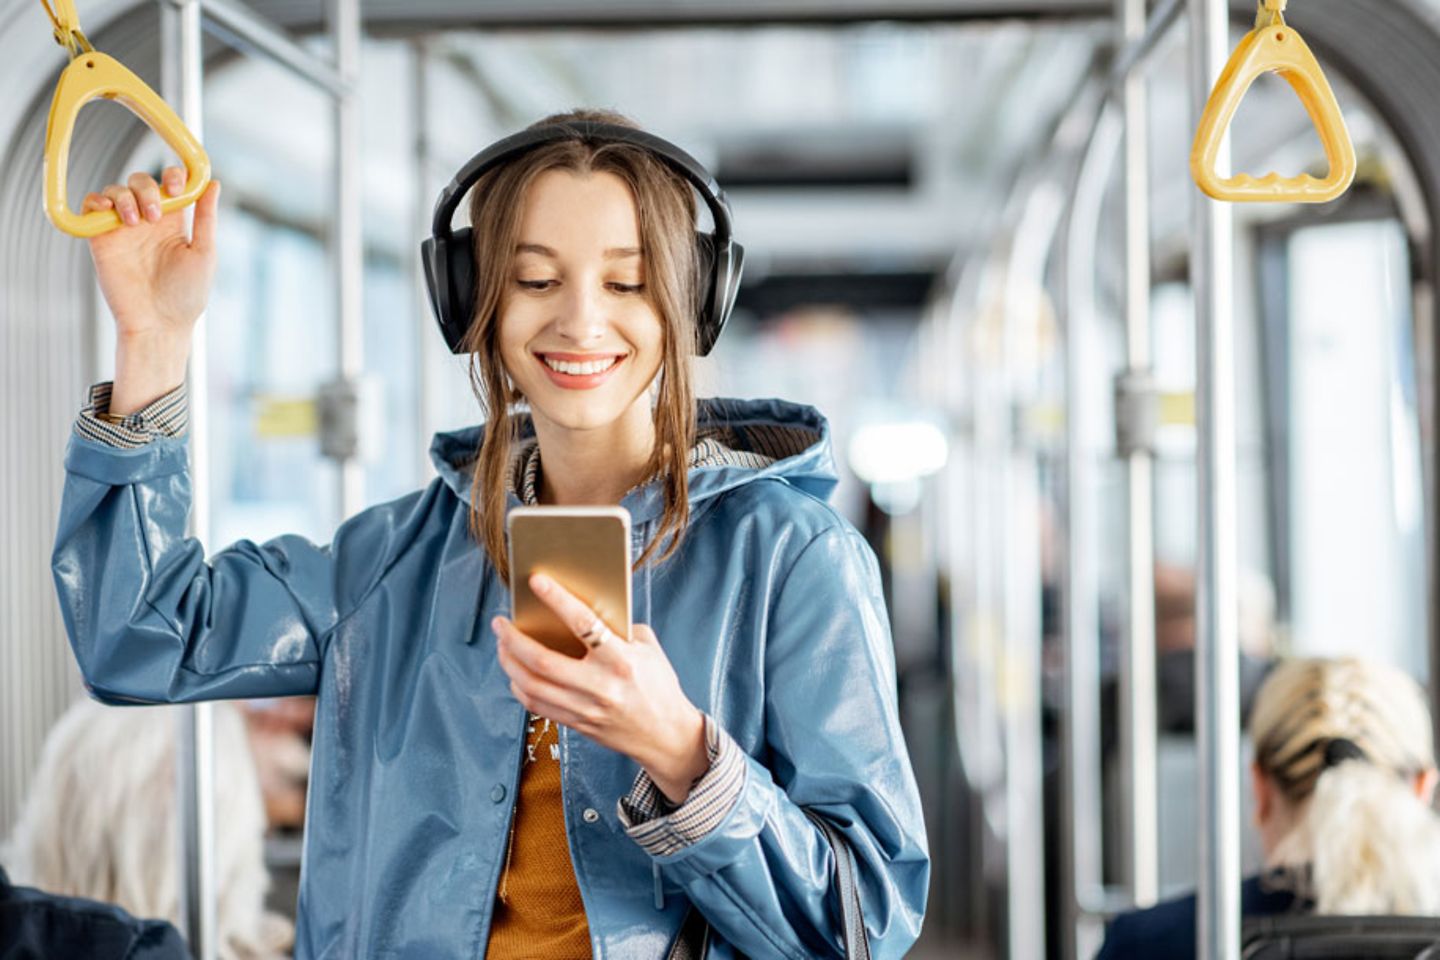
(538, 911)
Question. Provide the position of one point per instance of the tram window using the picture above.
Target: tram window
(1353, 504)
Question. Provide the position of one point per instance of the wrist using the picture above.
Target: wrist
(683, 761)
(147, 366)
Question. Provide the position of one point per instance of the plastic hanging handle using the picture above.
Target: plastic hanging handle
(93, 75)
(1279, 49)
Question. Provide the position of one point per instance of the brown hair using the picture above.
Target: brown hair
(665, 208)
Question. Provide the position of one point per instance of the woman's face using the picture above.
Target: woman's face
(578, 333)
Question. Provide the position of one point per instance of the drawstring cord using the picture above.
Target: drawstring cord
(529, 758)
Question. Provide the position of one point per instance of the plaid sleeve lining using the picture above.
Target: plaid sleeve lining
(662, 828)
(167, 416)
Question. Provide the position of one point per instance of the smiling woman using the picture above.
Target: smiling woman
(618, 282)
(696, 788)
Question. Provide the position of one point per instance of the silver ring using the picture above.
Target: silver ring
(595, 634)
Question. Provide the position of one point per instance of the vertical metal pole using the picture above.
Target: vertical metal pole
(1081, 741)
(1217, 695)
(420, 164)
(347, 246)
(181, 69)
(1137, 669)
(1024, 766)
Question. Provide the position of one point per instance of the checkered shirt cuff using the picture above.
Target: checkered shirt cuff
(168, 416)
(662, 828)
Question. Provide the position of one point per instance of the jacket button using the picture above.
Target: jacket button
(590, 815)
(497, 793)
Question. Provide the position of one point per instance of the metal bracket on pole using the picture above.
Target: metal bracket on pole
(1137, 413)
(347, 409)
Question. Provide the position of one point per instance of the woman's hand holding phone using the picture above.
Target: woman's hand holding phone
(623, 695)
(155, 279)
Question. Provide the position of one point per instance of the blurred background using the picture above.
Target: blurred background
(930, 201)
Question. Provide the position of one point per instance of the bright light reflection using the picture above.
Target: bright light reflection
(893, 453)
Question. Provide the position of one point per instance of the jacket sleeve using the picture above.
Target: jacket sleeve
(151, 621)
(764, 875)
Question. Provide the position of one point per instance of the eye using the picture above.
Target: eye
(628, 287)
(536, 285)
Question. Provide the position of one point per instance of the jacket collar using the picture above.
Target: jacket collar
(741, 441)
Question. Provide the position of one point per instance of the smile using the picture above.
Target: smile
(578, 372)
(580, 369)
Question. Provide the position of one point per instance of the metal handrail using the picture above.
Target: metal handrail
(1217, 688)
(241, 27)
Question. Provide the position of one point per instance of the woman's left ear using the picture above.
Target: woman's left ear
(1425, 782)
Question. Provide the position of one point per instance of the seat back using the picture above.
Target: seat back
(1301, 937)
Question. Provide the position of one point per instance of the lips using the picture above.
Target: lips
(579, 361)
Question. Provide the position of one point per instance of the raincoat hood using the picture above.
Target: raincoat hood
(793, 437)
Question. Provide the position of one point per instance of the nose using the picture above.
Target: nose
(581, 317)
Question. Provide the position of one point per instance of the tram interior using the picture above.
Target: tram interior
(928, 265)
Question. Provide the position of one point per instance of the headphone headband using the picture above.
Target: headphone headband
(526, 140)
(448, 255)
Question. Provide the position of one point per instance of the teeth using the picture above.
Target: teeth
(579, 369)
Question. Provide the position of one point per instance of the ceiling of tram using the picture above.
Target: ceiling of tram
(927, 125)
(878, 147)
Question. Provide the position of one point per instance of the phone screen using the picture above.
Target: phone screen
(584, 549)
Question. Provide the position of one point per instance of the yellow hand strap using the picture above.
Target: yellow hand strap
(92, 75)
(1273, 47)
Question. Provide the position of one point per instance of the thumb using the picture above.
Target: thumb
(641, 633)
(206, 213)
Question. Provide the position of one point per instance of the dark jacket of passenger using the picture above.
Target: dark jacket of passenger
(43, 926)
(1168, 929)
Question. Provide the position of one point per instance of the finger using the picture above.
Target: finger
(173, 179)
(95, 201)
(124, 202)
(541, 695)
(572, 611)
(539, 706)
(147, 194)
(641, 633)
(538, 658)
(207, 212)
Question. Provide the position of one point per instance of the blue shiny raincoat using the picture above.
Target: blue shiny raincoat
(771, 614)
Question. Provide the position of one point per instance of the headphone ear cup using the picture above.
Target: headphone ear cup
(449, 264)
(705, 287)
(725, 270)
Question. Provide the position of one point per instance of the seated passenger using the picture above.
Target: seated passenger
(100, 823)
(34, 924)
(1343, 776)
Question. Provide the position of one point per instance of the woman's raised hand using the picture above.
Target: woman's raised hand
(155, 278)
(156, 281)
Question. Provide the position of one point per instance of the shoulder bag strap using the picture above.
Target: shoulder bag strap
(693, 939)
(857, 941)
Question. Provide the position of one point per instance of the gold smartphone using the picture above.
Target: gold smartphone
(584, 549)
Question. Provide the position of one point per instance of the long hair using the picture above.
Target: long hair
(1342, 741)
(100, 823)
(666, 211)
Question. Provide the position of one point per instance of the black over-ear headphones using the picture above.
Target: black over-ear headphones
(449, 255)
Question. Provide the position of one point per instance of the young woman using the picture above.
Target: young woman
(474, 793)
(1344, 774)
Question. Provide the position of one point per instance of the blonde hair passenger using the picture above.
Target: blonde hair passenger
(1344, 772)
(100, 823)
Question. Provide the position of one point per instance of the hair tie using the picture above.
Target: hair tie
(1340, 749)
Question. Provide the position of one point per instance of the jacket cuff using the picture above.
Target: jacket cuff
(662, 828)
(167, 416)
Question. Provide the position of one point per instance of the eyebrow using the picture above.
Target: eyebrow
(614, 253)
